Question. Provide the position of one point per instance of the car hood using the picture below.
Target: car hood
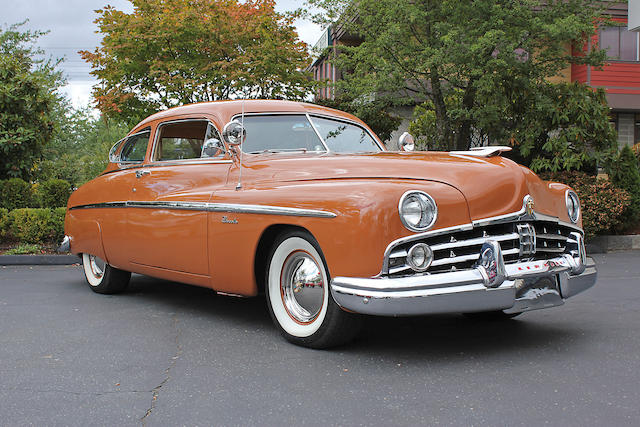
(492, 186)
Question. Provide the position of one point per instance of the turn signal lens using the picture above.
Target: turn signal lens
(419, 257)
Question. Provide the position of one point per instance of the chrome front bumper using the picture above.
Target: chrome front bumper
(490, 286)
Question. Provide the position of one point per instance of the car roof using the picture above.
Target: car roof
(225, 110)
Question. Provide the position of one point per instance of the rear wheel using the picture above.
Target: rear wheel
(102, 277)
(299, 297)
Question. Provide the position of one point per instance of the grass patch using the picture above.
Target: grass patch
(24, 249)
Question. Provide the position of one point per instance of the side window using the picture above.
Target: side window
(186, 140)
(113, 156)
(135, 147)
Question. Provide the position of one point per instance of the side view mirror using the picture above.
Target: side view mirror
(234, 133)
(406, 142)
(212, 148)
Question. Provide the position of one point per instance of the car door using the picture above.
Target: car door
(129, 154)
(167, 219)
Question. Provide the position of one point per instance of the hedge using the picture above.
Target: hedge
(603, 204)
(17, 194)
(4, 224)
(53, 193)
(625, 174)
(32, 225)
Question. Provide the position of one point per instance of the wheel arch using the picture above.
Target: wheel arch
(265, 244)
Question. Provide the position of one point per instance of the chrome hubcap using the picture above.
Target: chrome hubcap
(302, 287)
(97, 266)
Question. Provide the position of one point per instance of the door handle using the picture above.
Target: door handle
(141, 173)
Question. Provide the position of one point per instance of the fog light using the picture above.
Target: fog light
(419, 257)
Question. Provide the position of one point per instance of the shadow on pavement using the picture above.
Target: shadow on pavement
(434, 337)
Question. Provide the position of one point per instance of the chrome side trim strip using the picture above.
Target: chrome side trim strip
(269, 210)
(213, 207)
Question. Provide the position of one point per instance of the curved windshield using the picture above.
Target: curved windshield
(344, 137)
(294, 133)
(280, 133)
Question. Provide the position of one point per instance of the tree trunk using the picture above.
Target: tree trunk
(463, 136)
(443, 127)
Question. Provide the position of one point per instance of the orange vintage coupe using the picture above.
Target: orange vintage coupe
(305, 204)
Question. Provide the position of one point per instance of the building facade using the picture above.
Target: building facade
(620, 76)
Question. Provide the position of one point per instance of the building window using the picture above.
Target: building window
(619, 43)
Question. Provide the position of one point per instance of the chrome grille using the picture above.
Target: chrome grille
(459, 249)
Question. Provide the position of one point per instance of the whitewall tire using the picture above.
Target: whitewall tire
(102, 277)
(299, 296)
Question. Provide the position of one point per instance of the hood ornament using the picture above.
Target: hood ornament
(528, 206)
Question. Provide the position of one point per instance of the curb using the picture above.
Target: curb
(39, 259)
(607, 244)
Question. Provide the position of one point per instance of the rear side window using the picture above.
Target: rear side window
(184, 140)
(134, 147)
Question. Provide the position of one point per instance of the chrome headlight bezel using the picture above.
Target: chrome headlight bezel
(573, 205)
(428, 255)
(426, 202)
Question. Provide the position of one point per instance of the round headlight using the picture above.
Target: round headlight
(573, 206)
(419, 257)
(418, 210)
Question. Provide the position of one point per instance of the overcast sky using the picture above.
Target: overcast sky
(71, 27)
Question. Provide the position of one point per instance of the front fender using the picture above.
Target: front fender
(353, 242)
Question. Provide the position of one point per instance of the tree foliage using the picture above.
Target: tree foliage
(79, 149)
(625, 173)
(173, 52)
(372, 113)
(479, 70)
(27, 98)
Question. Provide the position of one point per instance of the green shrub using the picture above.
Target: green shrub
(4, 225)
(53, 193)
(625, 173)
(37, 225)
(15, 194)
(603, 204)
(57, 224)
(24, 249)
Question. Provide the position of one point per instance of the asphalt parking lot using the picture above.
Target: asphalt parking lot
(170, 354)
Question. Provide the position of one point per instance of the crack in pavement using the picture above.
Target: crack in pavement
(174, 359)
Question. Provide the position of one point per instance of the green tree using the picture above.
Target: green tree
(373, 114)
(478, 69)
(27, 98)
(79, 150)
(173, 52)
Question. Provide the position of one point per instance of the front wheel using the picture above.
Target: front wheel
(299, 297)
(102, 277)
